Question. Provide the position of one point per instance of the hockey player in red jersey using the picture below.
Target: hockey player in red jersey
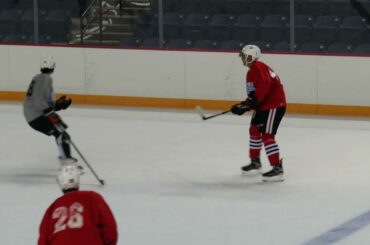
(77, 217)
(267, 98)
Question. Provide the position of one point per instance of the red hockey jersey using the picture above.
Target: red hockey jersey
(268, 89)
(78, 217)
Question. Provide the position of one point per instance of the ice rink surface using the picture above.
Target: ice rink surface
(172, 179)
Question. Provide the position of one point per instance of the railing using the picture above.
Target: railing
(91, 19)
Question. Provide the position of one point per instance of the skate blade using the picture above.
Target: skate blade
(278, 178)
(251, 173)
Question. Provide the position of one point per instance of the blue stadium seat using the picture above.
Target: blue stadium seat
(206, 44)
(325, 29)
(232, 45)
(219, 28)
(172, 25)
(131, 42)
(352, 28)
(195, 26)
(312, 47)
(274, 28)
(9, 20)
(303, 28)
(246, 27)
(340, 48)
(179, 43)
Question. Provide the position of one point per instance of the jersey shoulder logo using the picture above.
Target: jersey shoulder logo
(250, 87)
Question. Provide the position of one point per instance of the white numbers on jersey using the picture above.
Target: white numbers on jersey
(72, 219)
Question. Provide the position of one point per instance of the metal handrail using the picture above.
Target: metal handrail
(99, 15)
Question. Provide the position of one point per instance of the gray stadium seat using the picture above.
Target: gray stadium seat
(179, 44)
(325, 29)
(232, 45)
(206, 44)
(246, 27)
(352, 28)
(219, 28)
(340, 48)
(273, 28)
(312, 47)
(195, 26)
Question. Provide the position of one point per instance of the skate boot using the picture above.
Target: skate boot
(254, 166)
(275, 174)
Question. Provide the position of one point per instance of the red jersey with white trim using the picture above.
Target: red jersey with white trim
(268, 89)
(78, 217)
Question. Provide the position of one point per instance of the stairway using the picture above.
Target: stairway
(117, 22)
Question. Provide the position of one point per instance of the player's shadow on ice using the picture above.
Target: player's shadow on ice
(38, 176)
(233, 186)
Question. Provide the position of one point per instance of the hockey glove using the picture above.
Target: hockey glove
(240, 108)
(62, 103)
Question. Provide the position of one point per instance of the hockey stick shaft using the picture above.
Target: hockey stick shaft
(215, 115)
(86, 162)
(62, 130)
(204, 117)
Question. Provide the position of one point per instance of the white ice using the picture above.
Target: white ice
(172, 179)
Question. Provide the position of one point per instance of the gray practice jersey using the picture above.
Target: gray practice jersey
(40, 96)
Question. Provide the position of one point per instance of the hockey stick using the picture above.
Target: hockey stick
(204, 117)
(61, 129)
(101, 181)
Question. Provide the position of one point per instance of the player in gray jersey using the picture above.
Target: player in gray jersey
(40, 106)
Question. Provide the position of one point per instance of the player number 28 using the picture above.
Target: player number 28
(71, 217)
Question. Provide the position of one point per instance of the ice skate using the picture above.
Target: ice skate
(253, 168)
(275, 174)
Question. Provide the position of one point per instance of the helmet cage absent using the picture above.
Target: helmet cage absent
(69, 177)
(47, 64)
(249, 54)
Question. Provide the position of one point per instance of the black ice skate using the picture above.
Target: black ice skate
(275, 174)
(253, 167)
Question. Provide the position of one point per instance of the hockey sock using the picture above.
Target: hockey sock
(63, 146)
(255, 142)
(272, 149)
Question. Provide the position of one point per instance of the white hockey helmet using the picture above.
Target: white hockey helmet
(69, 177)
(250, 53)
(47, 62)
